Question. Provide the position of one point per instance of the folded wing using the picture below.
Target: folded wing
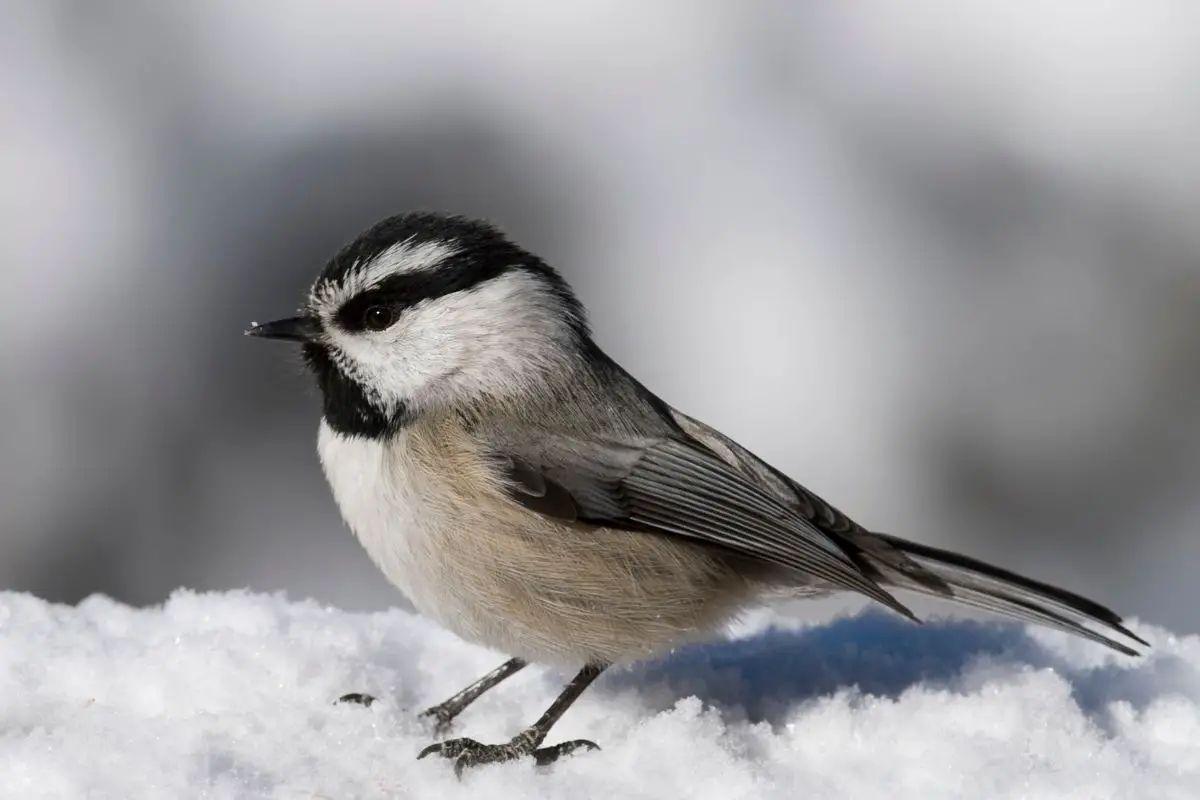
(700, 485)
(677, 487)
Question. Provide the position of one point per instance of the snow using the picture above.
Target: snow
(230, 695)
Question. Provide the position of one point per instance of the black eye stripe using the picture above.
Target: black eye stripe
(475, 252)
(406, 290)
(480, 252)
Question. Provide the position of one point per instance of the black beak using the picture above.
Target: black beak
(294, 329)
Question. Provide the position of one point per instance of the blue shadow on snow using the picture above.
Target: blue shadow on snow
(762, 677)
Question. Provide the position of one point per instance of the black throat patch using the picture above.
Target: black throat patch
(347, 408)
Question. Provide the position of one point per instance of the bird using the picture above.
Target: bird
(529, 494)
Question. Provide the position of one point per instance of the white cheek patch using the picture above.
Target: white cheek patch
(508, 330)
(393, 364)
(493, 338)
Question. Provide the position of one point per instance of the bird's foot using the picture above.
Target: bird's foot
(470, 753)
(357, 697)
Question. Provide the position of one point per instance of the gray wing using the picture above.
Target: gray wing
(675, 486)
(898, 563)
(873, 556)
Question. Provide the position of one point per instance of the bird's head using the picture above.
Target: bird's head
(427, 311)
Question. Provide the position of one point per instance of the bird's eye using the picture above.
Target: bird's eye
(377, 318)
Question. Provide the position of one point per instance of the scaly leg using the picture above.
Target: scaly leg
(468, 752)
(445, 712)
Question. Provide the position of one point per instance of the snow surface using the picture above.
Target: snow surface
(229, 695)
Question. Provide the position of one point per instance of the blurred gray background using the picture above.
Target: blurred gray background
(938, 260)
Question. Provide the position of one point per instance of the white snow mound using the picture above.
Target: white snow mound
(230, 696)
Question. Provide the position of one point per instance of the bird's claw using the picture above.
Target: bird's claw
(470, 753)
(548, 755)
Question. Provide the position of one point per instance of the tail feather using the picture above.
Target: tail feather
(983, 586)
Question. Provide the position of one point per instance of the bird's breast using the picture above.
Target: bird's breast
(435, 522)
(394, 509)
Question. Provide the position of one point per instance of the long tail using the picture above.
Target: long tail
(951, 576)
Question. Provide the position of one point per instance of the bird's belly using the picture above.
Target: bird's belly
(521, 584)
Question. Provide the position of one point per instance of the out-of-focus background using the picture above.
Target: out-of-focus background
(938, 260)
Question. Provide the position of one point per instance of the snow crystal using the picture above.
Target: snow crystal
(230, 696)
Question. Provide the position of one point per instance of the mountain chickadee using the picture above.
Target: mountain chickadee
(526, 492)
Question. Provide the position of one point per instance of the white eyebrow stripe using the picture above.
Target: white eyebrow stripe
(402, 258)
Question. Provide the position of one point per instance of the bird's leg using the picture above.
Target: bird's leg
(445, 712)
(468, 752)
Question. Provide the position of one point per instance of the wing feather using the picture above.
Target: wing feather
(678, 488)
(900, 564)
(701, 485)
